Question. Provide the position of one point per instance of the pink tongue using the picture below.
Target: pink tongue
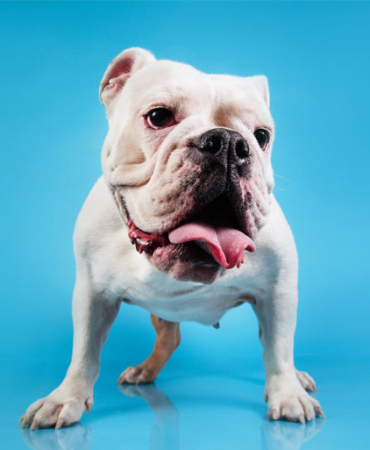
(225, 244)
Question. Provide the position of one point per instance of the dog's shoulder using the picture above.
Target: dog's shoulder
(275, 243)
(277, 231)
(98, 220)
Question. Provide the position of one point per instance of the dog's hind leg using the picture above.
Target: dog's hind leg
(167, 340)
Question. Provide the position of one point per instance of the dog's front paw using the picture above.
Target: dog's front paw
(63, 407)
(138, 375)
(288, 400)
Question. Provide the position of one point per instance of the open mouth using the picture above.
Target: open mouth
(215, 230)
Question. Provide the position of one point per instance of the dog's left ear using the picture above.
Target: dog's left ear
(260, 81)
(120, 70)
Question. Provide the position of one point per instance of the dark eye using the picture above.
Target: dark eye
(160, 117)
(262, 137)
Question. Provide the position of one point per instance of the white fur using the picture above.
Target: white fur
(138, 164)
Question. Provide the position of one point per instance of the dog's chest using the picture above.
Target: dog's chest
(183, 301)
(205, 306)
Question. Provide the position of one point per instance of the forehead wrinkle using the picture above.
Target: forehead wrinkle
(173, 96)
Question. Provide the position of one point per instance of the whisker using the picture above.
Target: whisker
(280, 176)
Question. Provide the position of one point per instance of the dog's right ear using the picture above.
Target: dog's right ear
(119, 71)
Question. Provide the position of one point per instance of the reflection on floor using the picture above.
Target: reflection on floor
(186, 410)
(165, 430)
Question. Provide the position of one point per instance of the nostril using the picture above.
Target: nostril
(242, 149)
(220, 142)
(213, 144)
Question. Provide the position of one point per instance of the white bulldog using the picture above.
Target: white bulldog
(188, 180)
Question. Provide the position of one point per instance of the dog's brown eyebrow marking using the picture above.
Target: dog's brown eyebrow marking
(222, 116)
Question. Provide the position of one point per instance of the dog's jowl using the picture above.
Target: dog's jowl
(184, 223)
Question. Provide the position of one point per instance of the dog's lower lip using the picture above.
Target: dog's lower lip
(145, 242)
(154, 244)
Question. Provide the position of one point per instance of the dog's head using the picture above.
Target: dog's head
(187, 157)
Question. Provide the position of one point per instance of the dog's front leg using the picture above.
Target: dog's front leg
(93, 316)
(287, 398)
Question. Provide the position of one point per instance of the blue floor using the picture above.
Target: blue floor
(189, 409)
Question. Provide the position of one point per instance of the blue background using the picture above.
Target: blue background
(316, 57)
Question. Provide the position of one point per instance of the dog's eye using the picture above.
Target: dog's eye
(160, 118)
(262, 137)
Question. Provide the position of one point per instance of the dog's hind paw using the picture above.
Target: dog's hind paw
(137, 375)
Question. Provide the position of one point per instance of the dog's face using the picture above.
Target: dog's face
(187, 157)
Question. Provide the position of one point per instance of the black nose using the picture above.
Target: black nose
(220, 140)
